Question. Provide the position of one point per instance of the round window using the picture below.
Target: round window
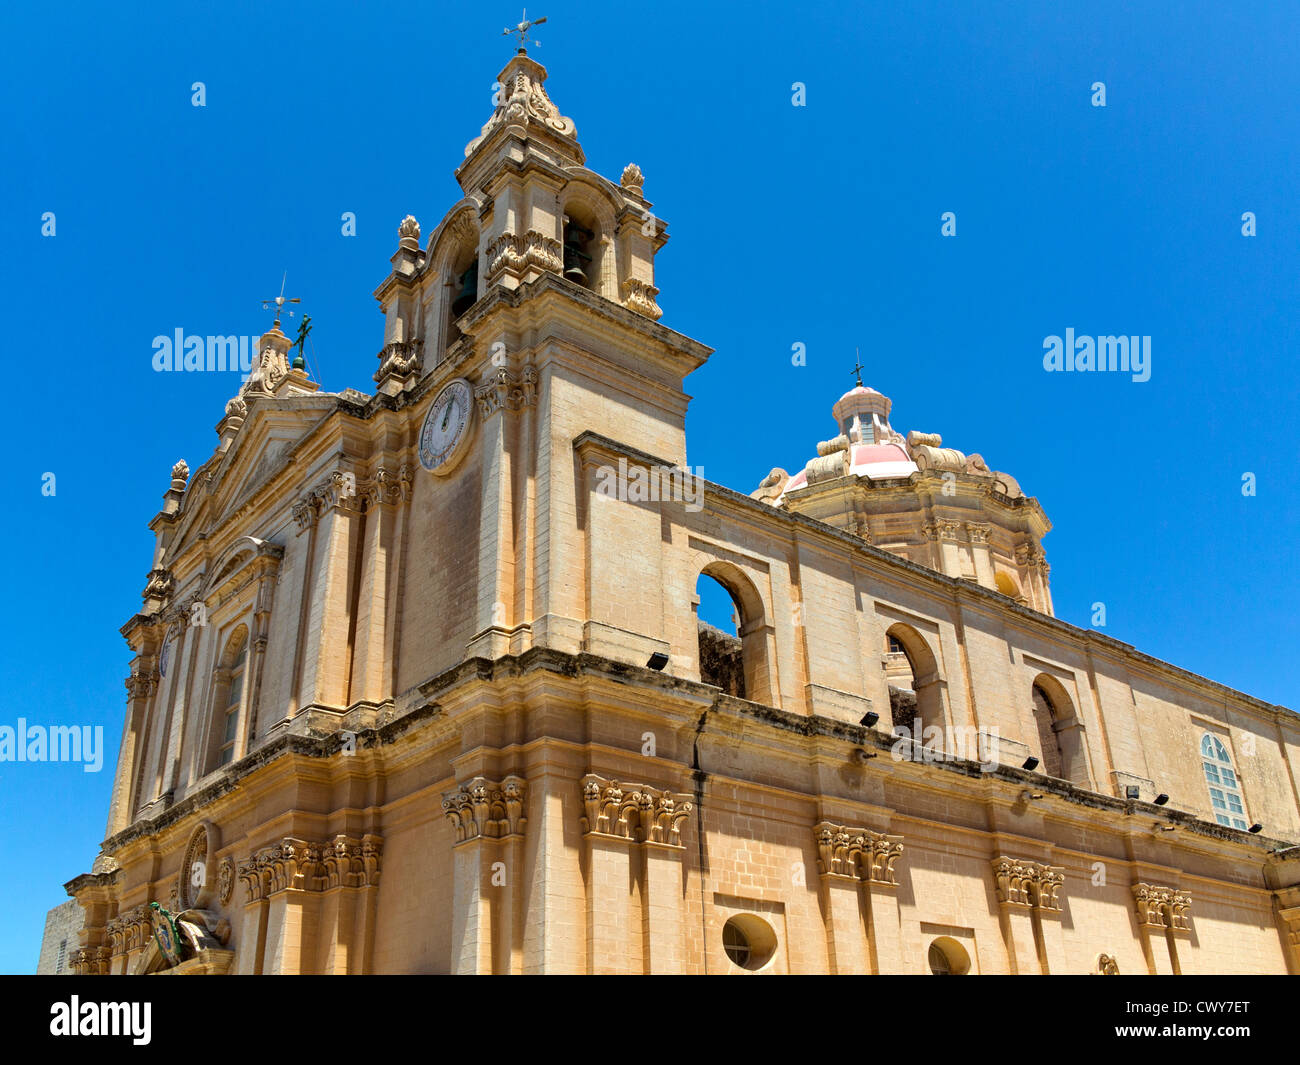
(749, 941)
(948, 958)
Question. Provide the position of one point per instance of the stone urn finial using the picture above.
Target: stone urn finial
(409, 233)
(180, 474)
(632, 180)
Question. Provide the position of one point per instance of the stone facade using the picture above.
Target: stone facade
(411, 693)
(61, 939)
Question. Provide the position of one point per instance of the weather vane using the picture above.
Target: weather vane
(857, 370)
(521, 31)
(280, 301)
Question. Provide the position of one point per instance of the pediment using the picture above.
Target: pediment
(273, 428)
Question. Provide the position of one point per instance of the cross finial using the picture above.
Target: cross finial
(857, 370)
(279, 302)
(521, 31)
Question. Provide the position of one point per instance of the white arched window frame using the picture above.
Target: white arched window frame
(1225, 789)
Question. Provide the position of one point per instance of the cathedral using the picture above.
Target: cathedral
(412, 690)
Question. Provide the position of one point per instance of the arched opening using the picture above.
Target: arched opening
(584, 246)
(462, 287)
(229, 693)
(947, 957)
(1007, 585)
(915, 689)
(1061, 736)
(722, 657)
(733, 633)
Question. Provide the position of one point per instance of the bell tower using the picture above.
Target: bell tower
(537, 291)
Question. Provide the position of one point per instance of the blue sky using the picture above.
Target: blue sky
(817, 225)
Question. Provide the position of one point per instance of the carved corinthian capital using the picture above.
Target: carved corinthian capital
(481, 808)
(1159, 906)
(1029, 884)
(857, 853)
(636, 812)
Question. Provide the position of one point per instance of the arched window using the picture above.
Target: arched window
(234, 697)
(915, 690)
(229, 688)
(1046, 717)
(1225, 789)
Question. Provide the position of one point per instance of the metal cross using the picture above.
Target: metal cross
(521, 31)
(280, 301)
(857, 370)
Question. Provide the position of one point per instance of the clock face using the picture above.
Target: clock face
(446, 426)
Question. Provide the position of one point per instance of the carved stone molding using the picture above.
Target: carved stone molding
(1162, 907)
(484, 809)
(638, 813)
(504, 391)
(857, 853)
(387, 487)
(524, 102)
(402, 359)
(338, 490)
(978, 531)
(197, 882)
(158, 585)
(640, 296)
(342, 862)
(141, 684)
(129, 931)
(1032, 885)
(515, 254)
(92, 961)
(226, 880)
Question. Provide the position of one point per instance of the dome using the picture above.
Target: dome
(874, 450)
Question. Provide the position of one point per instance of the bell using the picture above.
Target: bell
(468, 291)
(575, 259)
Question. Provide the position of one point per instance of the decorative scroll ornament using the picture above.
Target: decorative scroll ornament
(1028, 884)
(141, 685)
(523, 102)
(481, 808)
(159, 584)
(1164, 907)
(400, 359)
(504, 391)
(640, 296)
(857, 853)
(344, 861)
(639, 813)
(517, 253)
(226, 880)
